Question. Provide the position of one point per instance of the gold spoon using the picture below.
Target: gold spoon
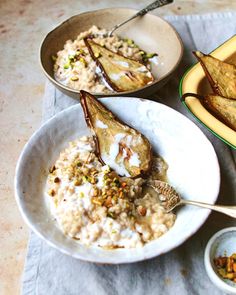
(170, 199)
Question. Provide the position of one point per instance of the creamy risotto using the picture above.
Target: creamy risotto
(92, 204)
(75, 68)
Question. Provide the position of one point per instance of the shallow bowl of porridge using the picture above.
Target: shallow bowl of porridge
(67, 213)
(150, 40)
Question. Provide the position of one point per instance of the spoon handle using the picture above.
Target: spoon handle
(145, 10)
(228, 210)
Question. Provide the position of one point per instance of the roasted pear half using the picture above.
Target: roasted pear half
(222, 107)
(121, 147)
(221, 75)
(121, 73)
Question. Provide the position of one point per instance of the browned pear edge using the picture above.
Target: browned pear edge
(98, 63)
(83, 100)
(207, 104)
(209, 78)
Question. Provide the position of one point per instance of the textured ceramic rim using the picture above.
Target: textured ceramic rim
(208, 265)
(190, 111)
(116, 93)
(18, 196)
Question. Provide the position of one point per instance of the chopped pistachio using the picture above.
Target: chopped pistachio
(97, 202)
(233, 256)
(71, 57)
(51, 192)
(78, 164)
(230, 276)
(129, 41)
(97, 54)
(111, 215)
(85, 178)
(150, 55)
(66, 66)
(81, 195)
(121, 195)
(74, 78)
(83, 61)
(54, 58)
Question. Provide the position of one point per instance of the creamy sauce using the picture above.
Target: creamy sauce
(116, 77)
(101, 125)
(122, 63)
(142, 69)
(118, 164)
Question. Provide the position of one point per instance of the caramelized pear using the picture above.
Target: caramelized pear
(121, 147)
(222, 107)
(121, 73)
(221, 75)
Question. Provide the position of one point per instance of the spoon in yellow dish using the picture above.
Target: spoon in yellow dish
(170, 199)
(142, 12)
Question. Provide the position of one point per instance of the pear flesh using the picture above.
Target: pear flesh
(221, 75)
(121, 73)
(121, 147)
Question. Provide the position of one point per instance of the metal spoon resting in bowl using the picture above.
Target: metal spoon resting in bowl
(170, 199)
(142, 12)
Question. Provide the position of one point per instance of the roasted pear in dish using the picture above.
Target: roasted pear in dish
(121, 73)
(222, 107)
(121, 147)
(221, 75)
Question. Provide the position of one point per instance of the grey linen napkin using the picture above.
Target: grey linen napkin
(181, 271)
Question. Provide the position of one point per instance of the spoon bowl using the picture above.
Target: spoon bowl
(170, 199)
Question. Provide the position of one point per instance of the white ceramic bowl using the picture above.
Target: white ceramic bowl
(193, 171)
(221, 243)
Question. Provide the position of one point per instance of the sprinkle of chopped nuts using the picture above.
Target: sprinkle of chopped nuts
(226, 267)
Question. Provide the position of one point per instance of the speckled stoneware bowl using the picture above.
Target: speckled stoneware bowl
(222, 243)
(150, 32)
(192, 166)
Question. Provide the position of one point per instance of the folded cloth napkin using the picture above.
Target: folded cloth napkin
(181, 271)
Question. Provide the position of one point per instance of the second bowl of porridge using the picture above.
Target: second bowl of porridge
(68, 64)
